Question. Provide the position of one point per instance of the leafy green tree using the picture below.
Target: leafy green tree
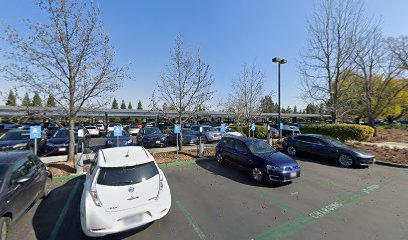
(51, 101)
(37, 102)
(123, 105)
(11, 99)
(130, 106)
(295, 110)
(115, 104)
(139, 105)
(26, 101)
(267, 105)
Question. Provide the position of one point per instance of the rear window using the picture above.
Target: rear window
(127, 175)
(19, 135)
(89, 127)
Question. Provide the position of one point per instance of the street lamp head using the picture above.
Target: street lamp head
(283, 61)
(276, 59)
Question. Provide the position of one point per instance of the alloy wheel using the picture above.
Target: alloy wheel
(220, 160)
(291, 150)
(257, 174)
(346, 160)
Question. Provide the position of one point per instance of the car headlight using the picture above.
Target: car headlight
(273, 168)
(110, 142)
(129, 141)
(50, 145)
(163, 138)
(20, 145)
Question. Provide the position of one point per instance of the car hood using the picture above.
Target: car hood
(279, 159)
(11, 142)
(154, 135)
(58, 140)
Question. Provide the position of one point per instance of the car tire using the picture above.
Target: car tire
(220, 159)
(345, 160)
(291, 150)
(47, 188)
(4, 227)
(257, 174)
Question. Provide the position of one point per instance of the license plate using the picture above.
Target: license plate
(293, 174)
(157, 141)
(61, 149)
(133, 219)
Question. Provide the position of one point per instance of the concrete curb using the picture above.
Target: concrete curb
(390, 164)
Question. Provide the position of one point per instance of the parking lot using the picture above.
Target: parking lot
(210, 201)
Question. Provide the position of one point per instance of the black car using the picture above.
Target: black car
(189, 137)
(20, 140)
(327, 147)
(51, 129)
(151, 137)
(23, 180)
(59, 143)
(259, 158)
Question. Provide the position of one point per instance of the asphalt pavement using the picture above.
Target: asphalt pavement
(210, 201)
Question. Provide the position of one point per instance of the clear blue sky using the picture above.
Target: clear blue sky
(229, 33)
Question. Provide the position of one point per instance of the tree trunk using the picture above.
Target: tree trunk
(71, 147)
(334, 116)
(181, 136)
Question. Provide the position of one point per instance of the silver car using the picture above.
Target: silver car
(210, 134)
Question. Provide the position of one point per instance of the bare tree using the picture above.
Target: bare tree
(245, 98)
(185, 84)
(69, 57)
(399, 47)
(381, 71)
(327, 59)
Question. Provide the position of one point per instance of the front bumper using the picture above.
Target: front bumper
(285, 176)
(212, 138)
(155, 143)
(365, 161)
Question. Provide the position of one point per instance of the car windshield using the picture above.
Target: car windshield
(260, 147)
(187, 132)
(64, 133)
(149, 131)
(124, 134)
(19, 135)
(209, 129)
(127, 175)
(90, 127)
(333, 141)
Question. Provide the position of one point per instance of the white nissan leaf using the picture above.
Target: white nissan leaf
(124, 189)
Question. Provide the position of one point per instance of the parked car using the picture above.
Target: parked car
(133, 129)
(124, 189)
(327, 147)
(151, 137)
(51, 129)
(189, 137)
(112, 125)
(112, 141)
(93, 131)
(210, 134)
(59, 143)
(17, 139)
(229, 132)
(23, 180)
(259, 158)
(288, 130)
(100, 126)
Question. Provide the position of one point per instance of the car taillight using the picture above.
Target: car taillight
(95, 198)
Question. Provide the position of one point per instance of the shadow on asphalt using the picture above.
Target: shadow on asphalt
(48, 213)
(323, 161)
(236, 174)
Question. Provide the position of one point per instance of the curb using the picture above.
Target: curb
(390, 164)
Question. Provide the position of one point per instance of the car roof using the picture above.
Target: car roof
(10, 157)
(311, 135)
(123, 156)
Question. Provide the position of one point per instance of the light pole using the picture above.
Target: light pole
(279, 61)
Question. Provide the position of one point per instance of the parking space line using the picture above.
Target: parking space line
(64, 211)
(183, 163)
(191, 220)
(277, 201)
(292, 227)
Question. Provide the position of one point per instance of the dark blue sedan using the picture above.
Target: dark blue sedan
(112, 141)
(327, 147)
(263, 161)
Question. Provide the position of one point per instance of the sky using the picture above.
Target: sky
(228, 33)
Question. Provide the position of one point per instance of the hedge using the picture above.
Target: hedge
(260, 131)
(342, 132)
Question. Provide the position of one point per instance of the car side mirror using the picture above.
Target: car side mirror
(87, 161)
(22, 180)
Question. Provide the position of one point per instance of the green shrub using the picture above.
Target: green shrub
(342, 132)
(260, 131)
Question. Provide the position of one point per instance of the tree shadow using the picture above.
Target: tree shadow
(63, 167)
(324, 161)
(236, 174)
(58, 215)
